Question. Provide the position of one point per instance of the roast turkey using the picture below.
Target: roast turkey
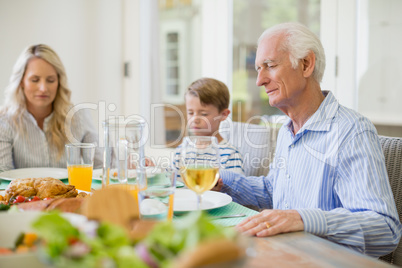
(41, 187)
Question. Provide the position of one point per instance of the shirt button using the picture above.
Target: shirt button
(288, 176)
(286, 205)
(292, 146)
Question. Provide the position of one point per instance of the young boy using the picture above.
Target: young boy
(207, 102)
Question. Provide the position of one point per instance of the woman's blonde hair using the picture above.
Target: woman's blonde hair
(15, 102)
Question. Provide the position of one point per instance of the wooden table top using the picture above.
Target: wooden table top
(301, 249)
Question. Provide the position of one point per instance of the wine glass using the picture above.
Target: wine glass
(199, 164)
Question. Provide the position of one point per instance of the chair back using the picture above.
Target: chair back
(392, 149)
(255, 142)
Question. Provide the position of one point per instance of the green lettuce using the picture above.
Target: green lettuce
(167, 239)
(66, 246)
(105, 249)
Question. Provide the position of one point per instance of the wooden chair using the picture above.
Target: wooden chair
(392, 149)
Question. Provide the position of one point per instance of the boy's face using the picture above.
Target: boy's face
(203, 120)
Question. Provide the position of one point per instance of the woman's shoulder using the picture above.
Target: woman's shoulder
(5, 116)
(7, 122)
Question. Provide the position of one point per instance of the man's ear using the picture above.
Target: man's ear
(308, 64)
(224, 114)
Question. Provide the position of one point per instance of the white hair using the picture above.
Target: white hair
(299, 41)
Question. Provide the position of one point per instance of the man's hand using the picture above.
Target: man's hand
(271, 222)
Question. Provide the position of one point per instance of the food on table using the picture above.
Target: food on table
(22, 199)
(37, 206)
(6, 251)
(62, 204)
(113, 204)
(187, 236)
(82, 195)
(93, 244)
(40, 187)
(4, 207)
(25, 242)
(210, 252)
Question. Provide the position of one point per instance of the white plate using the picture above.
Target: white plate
(186, 200)
(21, 173)
(97, 174)
(18, 222)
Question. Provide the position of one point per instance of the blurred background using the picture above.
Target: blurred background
(137, 57)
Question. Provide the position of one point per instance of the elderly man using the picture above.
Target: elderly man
(328, 177)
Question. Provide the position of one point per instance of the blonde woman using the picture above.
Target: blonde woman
(33, 123)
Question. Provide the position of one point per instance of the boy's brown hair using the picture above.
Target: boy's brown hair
(210, 91)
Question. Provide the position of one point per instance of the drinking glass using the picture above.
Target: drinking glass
(80, 162)
(124, 150)
(156, 187)
(199, 164)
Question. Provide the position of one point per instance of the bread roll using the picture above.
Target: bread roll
(210, 252)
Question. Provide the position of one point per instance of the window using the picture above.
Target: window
(173, 69)
(191, 36)
(250, 19)
(178, 31)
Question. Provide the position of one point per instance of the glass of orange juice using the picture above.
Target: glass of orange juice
(80, 162)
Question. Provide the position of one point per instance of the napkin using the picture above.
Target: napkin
(232, 208)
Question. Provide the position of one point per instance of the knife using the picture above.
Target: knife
(228, 216)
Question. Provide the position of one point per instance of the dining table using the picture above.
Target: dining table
(297, 249)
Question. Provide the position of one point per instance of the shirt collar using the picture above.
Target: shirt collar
(32, 119)
(321, 120)
(47, 120)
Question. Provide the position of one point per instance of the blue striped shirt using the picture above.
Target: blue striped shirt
(333, 173)
(230, 157)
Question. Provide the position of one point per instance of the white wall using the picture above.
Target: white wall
(87, 35)
(379, 61)
(217, 35)
(362, 38)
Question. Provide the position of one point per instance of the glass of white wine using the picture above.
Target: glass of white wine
(199, 164)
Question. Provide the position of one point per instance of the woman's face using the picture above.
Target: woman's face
(40, 84)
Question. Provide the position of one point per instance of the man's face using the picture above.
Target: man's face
(203, 120)
(282, 83)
